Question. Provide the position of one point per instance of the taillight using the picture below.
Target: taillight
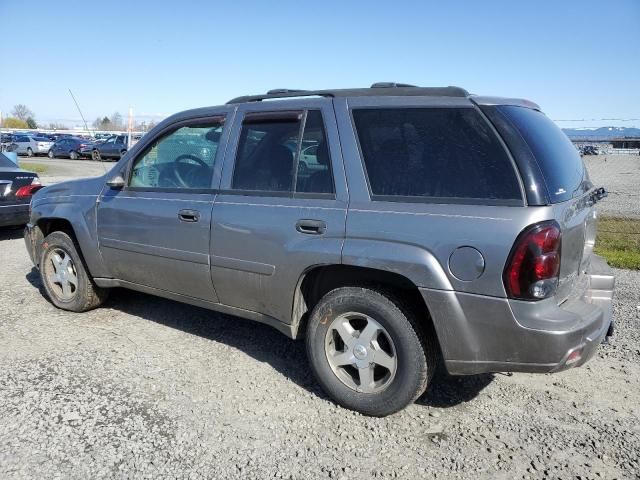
(534, 263)
(27, 190)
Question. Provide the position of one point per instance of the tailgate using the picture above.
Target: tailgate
(578, 223)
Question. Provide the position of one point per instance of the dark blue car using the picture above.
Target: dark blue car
(68, 147)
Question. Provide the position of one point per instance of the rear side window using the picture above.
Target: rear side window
(283, 152)
(561, 165)
(443, 155)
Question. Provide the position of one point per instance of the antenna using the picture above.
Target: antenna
(104, 167)
(79, 111)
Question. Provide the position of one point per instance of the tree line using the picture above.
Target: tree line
(23, 117)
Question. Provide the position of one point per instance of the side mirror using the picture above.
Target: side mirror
(116, 182)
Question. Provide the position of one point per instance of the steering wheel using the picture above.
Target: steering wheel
(180, 159)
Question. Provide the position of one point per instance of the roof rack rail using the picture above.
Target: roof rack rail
(376, 90)
(280, 93)
(392, 85)
(276, 91)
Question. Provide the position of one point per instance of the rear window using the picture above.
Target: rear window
(443, 155)
(559, 161)
(41, 139)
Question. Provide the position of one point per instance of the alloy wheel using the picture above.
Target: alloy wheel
(62, 274)
(361, 353)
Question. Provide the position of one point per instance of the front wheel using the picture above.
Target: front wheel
(29, 152)
(50, 154)
(368, 351)
(95, 155)
(65, 277)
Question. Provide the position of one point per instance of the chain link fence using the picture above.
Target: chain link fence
(619, 225)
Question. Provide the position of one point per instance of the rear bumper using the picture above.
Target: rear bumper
(11, 215)
(480, 334)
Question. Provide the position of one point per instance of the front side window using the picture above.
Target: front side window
(182, 159)
(272, 156)
(444, 155)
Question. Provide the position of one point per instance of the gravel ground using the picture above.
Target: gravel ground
(146, 387)
(149, 388)
(620, 175)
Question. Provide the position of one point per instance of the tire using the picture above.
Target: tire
(123, 153)
(50, 154)
(29, 152)
(95, 155)
(60, 265)
(73, 155)
(400, 337)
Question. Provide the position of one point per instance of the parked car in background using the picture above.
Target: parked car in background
(69, 147)
(589, 150)
(16, 188)
(113, 148)
(5, 141)
(31, 145)
(430, 227)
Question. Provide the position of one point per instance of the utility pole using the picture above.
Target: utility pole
(130, 127)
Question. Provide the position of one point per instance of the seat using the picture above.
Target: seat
(272, 170)
(321, 181)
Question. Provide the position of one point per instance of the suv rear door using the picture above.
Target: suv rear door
(272, 219)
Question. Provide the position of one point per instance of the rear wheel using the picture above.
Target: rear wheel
(73, 155)
(122, 153)
(65, 277)
(368, 351)
(50, 154)
(95, 155)
(29, 152)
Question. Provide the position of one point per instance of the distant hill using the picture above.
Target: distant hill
(602, 132)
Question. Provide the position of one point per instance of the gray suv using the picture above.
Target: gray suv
(435, 228)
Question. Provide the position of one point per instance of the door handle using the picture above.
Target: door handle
(189, 215)
(311, 227)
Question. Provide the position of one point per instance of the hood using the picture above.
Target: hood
(83, 186)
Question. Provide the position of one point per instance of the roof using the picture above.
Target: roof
(376, 90)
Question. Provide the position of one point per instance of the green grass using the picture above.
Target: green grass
(619, 241)
(33, 167)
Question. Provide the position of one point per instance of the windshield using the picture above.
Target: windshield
(559, 161)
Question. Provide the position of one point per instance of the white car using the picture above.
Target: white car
(31, 145)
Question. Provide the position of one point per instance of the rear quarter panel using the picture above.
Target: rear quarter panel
(417, 239)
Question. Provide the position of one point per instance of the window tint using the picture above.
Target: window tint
(561, 165)
(181, 159)
(444, 154)
(269, 147)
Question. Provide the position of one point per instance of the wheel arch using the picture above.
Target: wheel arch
(81, 233)
(317, 281)
(46, 225)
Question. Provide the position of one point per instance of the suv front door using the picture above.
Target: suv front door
(273, 219)
(155, 231)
